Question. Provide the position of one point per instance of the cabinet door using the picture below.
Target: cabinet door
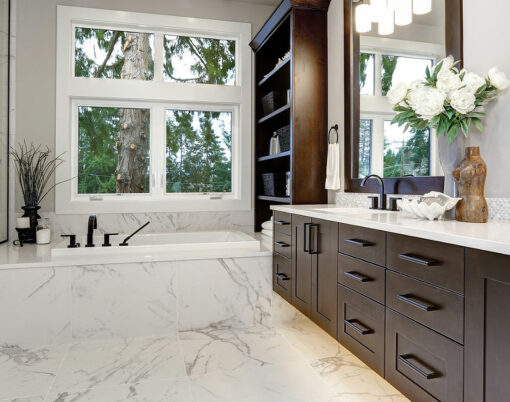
(487, 340)
(324, 274)
(301, 264)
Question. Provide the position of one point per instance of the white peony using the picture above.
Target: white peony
(447, 65)
(427, 102)
(498, 79)
(463, 101)
(397, 93)
(473, 82)
(448, 81)
(416, 84)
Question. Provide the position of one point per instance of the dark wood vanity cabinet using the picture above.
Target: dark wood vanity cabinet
(432, 318)
(487, 348)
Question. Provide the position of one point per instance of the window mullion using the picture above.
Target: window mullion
(158, 56)
(158, 148)
(378, 74)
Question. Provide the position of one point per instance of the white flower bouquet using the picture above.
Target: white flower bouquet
(448, 100)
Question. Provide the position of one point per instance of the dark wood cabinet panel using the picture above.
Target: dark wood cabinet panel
(301, 264)
(422, 364)
(363, 243)
(438, 263)
(436, 308)
(283, 244)
(282, 222)
(324, 275)
(365, 278)
(361, 327)
(487, 366)
(282, 276)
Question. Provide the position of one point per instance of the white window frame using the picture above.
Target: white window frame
(377, 108)
(158, 96)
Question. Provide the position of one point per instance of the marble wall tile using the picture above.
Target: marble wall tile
(96, 364)
(26, 374)
(124, 300)
(224, 293)
(35, 306)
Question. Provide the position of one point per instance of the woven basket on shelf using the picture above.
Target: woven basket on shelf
(274, 184)
(273, 101)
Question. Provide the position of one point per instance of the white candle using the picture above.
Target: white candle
(43, 236)
(23, 223)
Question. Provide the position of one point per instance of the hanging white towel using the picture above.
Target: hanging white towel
(268, 225)
(267, 233)
(333, 167)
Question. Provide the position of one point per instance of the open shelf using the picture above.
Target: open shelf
(275, 113)
(274, 71)
(276, 156)
(282, 200)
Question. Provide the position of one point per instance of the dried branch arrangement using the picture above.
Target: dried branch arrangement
(35, 167)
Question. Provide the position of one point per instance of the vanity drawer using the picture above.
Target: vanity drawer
(436, 308)
(438, 263)
(282, 272)
(282, 222)
(282, 244)
(365, 278)
(367, 244)
(422, 364)
(361, 327)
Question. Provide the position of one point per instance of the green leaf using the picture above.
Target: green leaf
(477, 123)
(464, 125)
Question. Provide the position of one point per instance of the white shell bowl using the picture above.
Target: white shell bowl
(424, 211)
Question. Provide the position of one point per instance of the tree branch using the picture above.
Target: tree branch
(108, 54)
(197, 53)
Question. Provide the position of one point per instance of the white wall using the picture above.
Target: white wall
(486, 30)
(35, 58)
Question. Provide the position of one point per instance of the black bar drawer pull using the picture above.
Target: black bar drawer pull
(406, 359)
(282, 223)
(358, 277)
(306, 233)
(315, 250)
(418, 260)
(281, 244)
(414, 302)
(360, 243)
(282, 277)
(358, 327)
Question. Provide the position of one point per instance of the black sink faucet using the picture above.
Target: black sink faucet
(90, 231)
(382, 196)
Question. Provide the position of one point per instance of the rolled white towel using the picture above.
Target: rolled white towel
(268, 233)
(268, 225)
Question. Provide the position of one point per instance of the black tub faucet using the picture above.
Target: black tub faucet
(90, 231)
(382, 196)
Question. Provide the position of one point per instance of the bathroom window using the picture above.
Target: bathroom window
(153, 112)
(365, 146)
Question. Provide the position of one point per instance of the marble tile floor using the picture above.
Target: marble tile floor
(293, 361)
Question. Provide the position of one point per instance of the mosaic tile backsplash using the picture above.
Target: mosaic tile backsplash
(499, 208)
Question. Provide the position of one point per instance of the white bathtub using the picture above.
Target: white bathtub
(162, 243)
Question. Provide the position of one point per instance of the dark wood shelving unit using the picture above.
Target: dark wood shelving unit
(298, 26)
(273, 114)
(272, 157)
(282, 200)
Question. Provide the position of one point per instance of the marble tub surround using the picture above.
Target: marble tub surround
(493, 236)
(39, 255)
(52, 305)
(231, 365)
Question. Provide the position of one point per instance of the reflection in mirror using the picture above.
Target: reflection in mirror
(4, 114)
(384, 61)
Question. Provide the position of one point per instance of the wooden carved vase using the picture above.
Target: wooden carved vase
(470, 176)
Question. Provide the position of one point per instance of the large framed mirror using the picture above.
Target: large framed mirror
(407, 160)
(4, 118)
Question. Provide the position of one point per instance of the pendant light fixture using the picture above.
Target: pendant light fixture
(378, 7)
(421, 7)
(363, 18)
(387, 22)
(403, 11)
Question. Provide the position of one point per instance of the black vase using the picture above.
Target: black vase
(31, 212)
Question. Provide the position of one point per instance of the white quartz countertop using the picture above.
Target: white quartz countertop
(493, 236)
(34, 256)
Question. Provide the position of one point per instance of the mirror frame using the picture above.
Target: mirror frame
(397, 185)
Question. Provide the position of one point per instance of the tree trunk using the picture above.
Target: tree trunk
(133, 140)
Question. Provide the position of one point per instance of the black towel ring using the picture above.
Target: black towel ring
(335, 127)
